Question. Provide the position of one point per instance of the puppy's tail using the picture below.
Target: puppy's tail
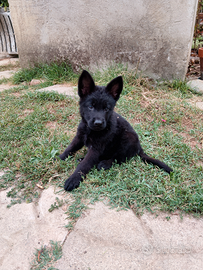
(154, 161)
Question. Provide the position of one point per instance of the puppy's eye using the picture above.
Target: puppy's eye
(90, 107)
(106, 109)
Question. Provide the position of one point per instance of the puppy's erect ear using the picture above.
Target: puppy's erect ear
(115, 87)
(86, 84)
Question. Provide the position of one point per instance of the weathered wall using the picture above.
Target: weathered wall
(156, 33)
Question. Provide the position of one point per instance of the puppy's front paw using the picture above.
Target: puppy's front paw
(72, 182)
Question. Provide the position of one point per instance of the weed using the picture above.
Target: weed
(4, 80)
(46, 256)
(56, 204)
(45, 96)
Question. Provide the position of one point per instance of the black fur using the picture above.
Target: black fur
(108, 136)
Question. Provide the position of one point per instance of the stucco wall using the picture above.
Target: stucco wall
(155, 33)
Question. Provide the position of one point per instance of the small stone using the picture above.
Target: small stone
(35, 82)
(64, 207)
(199, 105)
(196, 85)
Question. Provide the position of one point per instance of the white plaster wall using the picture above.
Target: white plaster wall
(155, 33)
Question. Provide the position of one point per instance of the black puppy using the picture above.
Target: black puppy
(108, 136)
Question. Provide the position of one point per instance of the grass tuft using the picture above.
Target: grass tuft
(46, 256)
(53, 72)
(180, 88)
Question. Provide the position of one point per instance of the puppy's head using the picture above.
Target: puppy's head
(97, 102)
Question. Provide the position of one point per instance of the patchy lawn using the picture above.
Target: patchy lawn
(36, 126)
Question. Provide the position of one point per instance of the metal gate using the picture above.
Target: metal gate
(7, 36)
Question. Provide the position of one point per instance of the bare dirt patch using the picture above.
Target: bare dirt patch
(191, 140)
(145, 104)
(71, 132)
(135, 121)
(192, 101)
(53, 107)
(71, 117)
(187, 123)
(188, 139)
(51, 125)
(26, 112)
(17, 94)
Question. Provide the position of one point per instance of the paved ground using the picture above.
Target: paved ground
(62, 89)
(25, 227)
(103, 238)
(107, 239)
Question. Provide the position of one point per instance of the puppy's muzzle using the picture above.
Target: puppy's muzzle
(98, 124)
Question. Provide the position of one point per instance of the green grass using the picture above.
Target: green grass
(179, 88)
(198, 43)
(46, 256)
(36, 126)
(52, 73)
(130, 77)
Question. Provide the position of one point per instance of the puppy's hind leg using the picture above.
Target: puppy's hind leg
(105, 164)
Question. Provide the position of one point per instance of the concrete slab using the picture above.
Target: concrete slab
(196, 85)
(107, 239)
(6, 87)
(6, 74)
(62, 89)
(25, 227)
(9, 61)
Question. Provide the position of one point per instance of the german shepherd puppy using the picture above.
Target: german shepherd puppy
(107, 135)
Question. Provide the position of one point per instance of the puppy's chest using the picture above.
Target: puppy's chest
(98, 141)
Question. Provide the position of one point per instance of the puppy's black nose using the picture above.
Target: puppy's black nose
(98, 123)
